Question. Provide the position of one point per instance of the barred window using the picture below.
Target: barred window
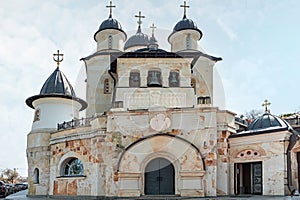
(73, 167)
(204, 100)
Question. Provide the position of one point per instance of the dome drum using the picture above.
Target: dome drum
(109, 24)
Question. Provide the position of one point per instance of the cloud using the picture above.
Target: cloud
(229, 32)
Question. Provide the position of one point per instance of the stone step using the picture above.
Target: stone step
(160, 197)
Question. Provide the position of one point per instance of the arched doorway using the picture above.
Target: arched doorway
(159, 177)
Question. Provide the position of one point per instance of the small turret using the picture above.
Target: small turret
(56, 102)
(153, 44)
(185, 34)
(110, 35)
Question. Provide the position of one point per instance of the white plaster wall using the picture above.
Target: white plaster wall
(178, 40)
(203, 73)
(118, 39)
(54, 111)
(96, 72)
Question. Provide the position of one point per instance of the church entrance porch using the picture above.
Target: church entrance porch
(159, 177)
(248, 178)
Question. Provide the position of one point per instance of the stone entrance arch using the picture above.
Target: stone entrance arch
(184, 156)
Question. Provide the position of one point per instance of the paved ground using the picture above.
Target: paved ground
(22, 196)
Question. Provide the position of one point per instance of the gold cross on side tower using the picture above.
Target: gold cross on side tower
(184, 6)
(266, 104)
(58, 57)
(140, 16)
(110, 9)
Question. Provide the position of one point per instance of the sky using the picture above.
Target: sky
(257, 39)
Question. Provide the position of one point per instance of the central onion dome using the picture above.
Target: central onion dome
(140, 39)
(57, 85)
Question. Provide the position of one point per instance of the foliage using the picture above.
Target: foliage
(252, 114)
(9, 175)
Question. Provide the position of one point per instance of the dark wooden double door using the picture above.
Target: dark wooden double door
(248, 178)
(159, 177)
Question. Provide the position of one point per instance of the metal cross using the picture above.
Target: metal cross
(110, 8)
(266, 104)
(153, 28)
(58, 57)
(140, 17)
(184, 8)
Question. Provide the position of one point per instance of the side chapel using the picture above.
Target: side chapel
(151, 127)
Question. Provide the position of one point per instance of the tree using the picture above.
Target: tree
(9, 175)
(253, 114)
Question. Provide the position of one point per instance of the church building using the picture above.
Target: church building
(150, 126)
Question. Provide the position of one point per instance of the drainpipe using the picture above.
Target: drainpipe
(293, 140)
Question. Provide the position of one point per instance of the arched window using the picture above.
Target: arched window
(174, 79)
(110, 42)
(193, 84)
(154, 78)
(73, 167)
(37, 115)
(107, 86)
(134, 79)
(36, 176)
(188, 41)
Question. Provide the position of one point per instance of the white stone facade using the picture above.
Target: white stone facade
(132, 127)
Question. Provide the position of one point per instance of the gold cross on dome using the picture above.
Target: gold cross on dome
(184, 6)
(140, 16)
(110, 8)
(266, 104)
(58, 57)
(153, 28)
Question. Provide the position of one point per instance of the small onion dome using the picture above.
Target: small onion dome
(57, 85)
(186, 24)
(110, 23)
(153, 40)
(139, 39)
(153, 43)
(268, 122)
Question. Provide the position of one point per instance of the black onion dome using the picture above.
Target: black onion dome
(57, 85)
(110, 23)
(268, 121)
(186, 24)
(139, 39)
